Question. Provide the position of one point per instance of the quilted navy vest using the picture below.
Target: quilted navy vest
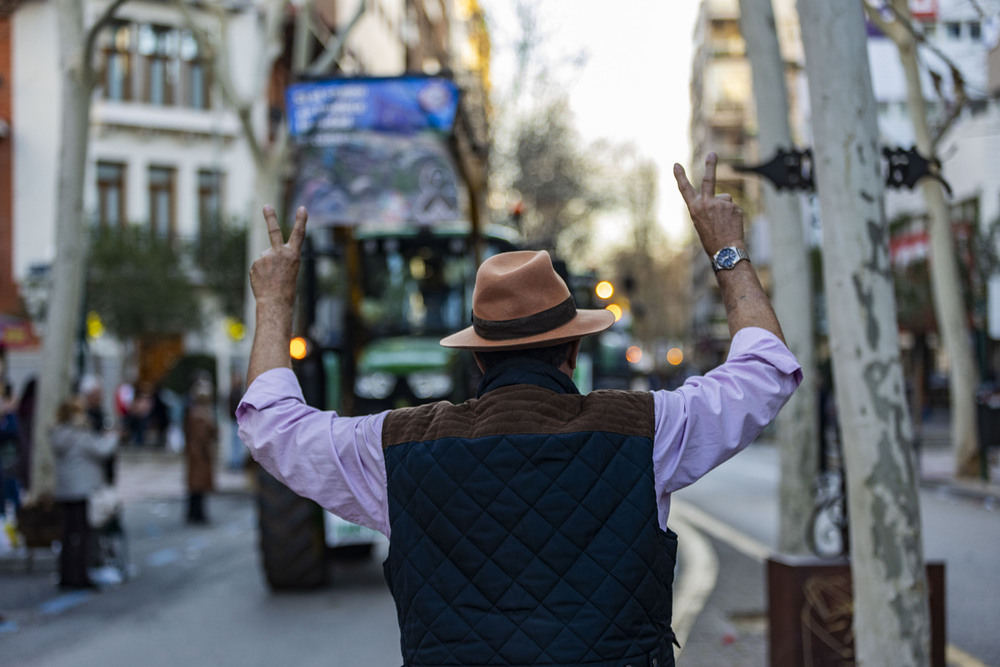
(524, 531)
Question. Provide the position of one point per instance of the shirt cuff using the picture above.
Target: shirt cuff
(761, 343)
(268, 388)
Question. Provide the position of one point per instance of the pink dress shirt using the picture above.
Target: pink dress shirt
(337, 461)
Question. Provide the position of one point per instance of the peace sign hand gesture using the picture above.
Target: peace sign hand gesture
(274, 274)
(718, 221)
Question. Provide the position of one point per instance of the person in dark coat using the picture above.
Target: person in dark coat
(201, 439)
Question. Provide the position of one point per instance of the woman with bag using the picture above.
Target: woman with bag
(80, 456)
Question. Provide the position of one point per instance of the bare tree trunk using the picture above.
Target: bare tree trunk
(949, 309)
(891, 616)
(65, 303)
(798, 427)
(63, 320)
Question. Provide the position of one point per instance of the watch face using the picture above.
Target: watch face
(727, 258)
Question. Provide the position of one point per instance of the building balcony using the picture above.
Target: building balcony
(168, 119)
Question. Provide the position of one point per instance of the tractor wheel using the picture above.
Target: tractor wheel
(292, 544)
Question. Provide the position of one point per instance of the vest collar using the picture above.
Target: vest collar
(523, 370)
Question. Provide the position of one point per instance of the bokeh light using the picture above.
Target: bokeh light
(298, 348)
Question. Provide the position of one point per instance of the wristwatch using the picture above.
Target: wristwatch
(728, 257)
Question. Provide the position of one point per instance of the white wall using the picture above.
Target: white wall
(34, 133)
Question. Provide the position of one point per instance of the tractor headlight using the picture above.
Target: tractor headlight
(377, 385)
(430, 384)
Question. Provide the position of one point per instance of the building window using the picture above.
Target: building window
(195, 72)
(209, 200)
(118, 45)
(975, 31)
(158, 47)
(155, 64)
(161, 201)
(953, 29)
(110, 194)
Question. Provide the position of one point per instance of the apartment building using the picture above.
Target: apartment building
(166, 151)
(954, 32)
(723, 119)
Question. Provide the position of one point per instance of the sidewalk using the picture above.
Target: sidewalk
(731, 629)
(142, 474)
(156, 474)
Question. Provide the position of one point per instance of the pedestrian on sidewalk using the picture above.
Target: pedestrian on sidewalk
(11, 454)
(527, 526)
(80, 461)
(201, 439)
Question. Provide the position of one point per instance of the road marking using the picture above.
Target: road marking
(162, 557)
(720, 530)
(699, 574)
(956, 657)
(60, 604)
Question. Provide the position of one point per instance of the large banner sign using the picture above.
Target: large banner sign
(375, 150)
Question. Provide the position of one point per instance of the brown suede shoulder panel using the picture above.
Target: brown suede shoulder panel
(523, 409)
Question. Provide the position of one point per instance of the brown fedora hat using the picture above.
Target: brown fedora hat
(520, 302)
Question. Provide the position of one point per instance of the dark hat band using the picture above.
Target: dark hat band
(530, 325)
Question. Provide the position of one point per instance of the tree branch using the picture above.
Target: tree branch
(334, 48)
(89, 72)
(220, 73)
(902, 28)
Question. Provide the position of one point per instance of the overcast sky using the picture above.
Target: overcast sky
(635, 86)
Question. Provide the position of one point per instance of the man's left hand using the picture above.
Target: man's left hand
(274, 274)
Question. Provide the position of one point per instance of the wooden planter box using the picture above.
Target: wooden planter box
(811, 612)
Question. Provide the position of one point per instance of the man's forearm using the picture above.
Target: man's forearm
(270, 340)
(746, 302)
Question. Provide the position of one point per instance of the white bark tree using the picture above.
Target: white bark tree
(798, 427)
(891, 614)
(946, 285)
(77, 79)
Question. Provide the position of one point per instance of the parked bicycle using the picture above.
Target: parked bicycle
(828, 531)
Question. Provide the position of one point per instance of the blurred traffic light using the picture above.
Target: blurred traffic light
(604, 289)
(616, 310)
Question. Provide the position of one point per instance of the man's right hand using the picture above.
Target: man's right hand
(718, 221)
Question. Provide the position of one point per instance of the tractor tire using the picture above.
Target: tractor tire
(292, 543)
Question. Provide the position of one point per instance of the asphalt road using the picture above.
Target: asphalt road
(197, 598)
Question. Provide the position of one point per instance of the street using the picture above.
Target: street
(197, 596)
